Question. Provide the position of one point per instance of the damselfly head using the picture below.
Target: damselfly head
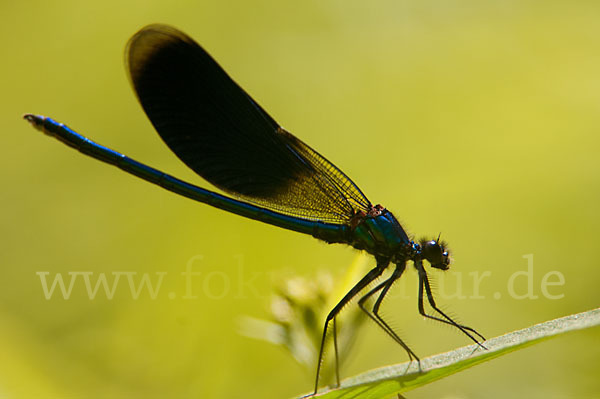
(436, 253)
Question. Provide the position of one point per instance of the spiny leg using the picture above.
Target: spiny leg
(422, 312)
(395, 276)
(365, 281)
(361, 304)
(335, 346)
(374, 315)
(424, 282)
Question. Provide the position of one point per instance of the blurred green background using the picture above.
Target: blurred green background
(479, 120)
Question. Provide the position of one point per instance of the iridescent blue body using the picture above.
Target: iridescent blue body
(380, 234)
(329, 232)
(222, 134)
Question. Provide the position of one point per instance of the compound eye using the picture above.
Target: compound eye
(436, 254)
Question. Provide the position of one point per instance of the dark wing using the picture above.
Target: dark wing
(217, 130)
